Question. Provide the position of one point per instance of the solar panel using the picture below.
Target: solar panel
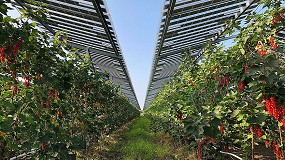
(89, 27)
(190, 24)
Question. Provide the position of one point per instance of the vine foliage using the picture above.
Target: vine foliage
(52, 101)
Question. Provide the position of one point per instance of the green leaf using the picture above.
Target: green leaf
(258, 30)
(260, 95)
(242, 51)
(273, 63)
(281, 91)
(254, 69)
(249, 136)
(209, 131)
(262, 78)
(30, 38)
(235, 113)
(264, 137)
(217, 112)
(9, 106)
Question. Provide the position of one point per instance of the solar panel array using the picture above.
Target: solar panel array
(89, 27)
(190, 24)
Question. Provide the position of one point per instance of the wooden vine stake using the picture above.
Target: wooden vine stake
(252, 143)
(281, 139)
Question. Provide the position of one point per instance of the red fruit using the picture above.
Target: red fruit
(281, 111)
(207, 78)
(258, 131)
(15, 91)
(221, 81)
(241, 86)
(16, 47)
(277, 150)
(8, 68)
(27, 84)
(9, 86)
(52, 93)
(221, 128)
(76, 124)
(226, 79)
(82, 123)
(274, 145)
(43, 146)
(268, 105)
(274, 46)
(14, 72)
(279, 18)
(47, 104)
(272, 43)
(266, 143)
(25, 67)
(27, 80)
(262, 52)
(2, 55)
(179, 115)
(219, 91)
(11, 60)
(246, 69)
(273, 107)
(191, 82)
(43, 104)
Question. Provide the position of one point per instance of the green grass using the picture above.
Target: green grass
(140, 142)
(135, 141)
(143, 149)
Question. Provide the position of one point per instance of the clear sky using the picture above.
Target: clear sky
(136, 23)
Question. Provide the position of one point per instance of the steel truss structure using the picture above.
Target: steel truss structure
(89, 28)
(190, 24)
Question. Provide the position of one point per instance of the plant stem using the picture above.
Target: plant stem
(252, 147)
(280, 134)
(281, 139)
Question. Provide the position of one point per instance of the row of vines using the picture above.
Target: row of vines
(235, 97)
(52, 102)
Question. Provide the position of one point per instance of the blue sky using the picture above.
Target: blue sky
(136, 23)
